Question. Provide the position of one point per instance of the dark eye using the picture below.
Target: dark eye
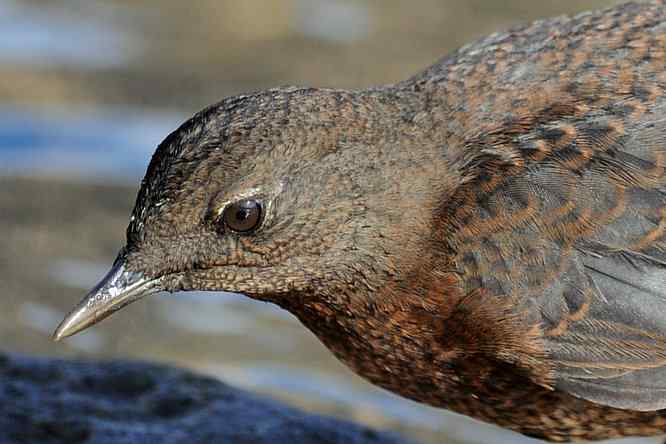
(242, 216)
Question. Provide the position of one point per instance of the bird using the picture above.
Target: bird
(487, 236)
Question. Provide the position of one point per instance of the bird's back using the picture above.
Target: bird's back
(561, 128)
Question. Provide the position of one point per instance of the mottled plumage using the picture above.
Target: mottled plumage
(487, 237)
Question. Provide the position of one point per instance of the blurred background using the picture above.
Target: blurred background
(89, 88)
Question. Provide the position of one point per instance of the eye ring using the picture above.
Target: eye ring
(243, 216)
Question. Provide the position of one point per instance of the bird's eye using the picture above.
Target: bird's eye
(242, 216)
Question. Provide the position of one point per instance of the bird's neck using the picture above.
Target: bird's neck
(418, 348)
(395, 338)
(384, 345)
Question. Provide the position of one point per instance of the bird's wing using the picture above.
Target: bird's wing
(574, 231)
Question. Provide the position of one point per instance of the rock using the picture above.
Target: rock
(51, 401)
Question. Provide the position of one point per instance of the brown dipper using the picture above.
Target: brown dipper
(488, 236)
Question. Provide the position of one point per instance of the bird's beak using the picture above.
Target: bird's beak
(118, 289)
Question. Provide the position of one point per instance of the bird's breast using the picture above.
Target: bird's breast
(401, 350)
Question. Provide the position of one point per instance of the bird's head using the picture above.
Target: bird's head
(285, 195)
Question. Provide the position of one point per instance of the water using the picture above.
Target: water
(101, 144)
(247, 343)
(43, 35)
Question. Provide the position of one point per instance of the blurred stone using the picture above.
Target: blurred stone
(54, 401)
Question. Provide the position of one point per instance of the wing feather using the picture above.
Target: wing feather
(577, 235)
